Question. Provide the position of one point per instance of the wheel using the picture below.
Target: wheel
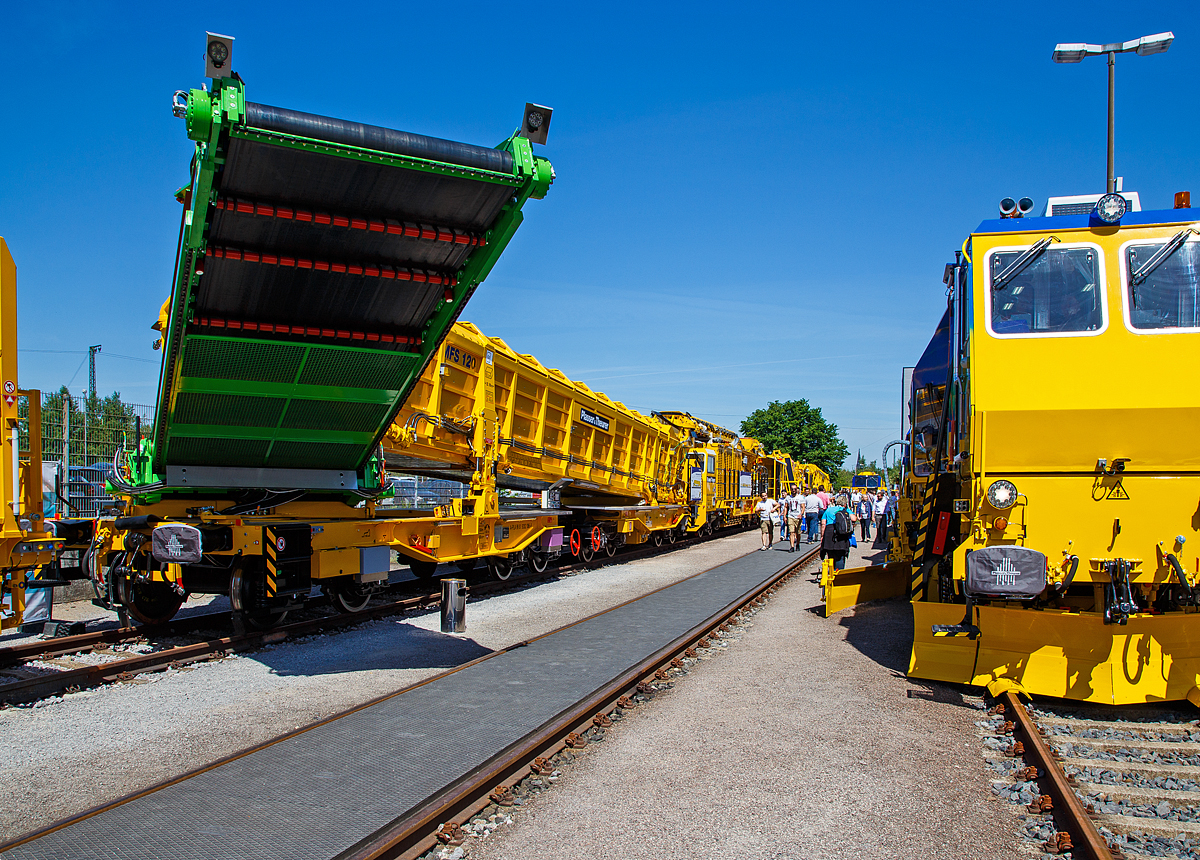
(154, 602)
(672, 535)
(610, 547)
(422, 569)
(348, 597)
(466, 565)
(244, 588)
(586, 553)
(658, 539)
(537, 561)
(706, 530)
(500, 567)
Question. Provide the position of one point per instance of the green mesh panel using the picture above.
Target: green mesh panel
(311, 455)
(251, 361)
(228, 410)
(194, 451)
(354, 369)
(335, 415)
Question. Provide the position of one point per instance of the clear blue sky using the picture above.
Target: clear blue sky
(753, 202)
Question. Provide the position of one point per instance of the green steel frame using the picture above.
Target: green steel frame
(195, 409)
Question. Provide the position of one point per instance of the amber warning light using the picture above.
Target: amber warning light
(1183, 200)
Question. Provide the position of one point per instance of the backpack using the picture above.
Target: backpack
(842, 529)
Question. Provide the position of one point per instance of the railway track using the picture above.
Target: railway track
(1101, 782)
(450, 816)
(18, 660)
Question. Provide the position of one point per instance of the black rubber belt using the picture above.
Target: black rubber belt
(375, 137)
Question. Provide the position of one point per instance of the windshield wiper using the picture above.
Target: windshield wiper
(1022, 262)
(1160, 256)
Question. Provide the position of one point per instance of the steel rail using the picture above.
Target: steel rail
(41, 686)
(1068, 809)
(414, 834)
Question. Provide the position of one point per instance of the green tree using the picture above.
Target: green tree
(798, 429)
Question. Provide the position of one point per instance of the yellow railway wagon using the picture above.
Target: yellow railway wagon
(616, 471)
(724, 475)
(1051, 528)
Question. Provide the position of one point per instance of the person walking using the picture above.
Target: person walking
(893, 509)
(784, 500)
(795, 517)
(824, 498)
(835, 541)
(865, 511)
(881, 508)
(765, 509)
(812, 515)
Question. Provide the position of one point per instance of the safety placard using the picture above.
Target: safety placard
(697, 485)
(745, 485)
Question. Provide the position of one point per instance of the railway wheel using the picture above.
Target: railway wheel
(586, 553)
(610, 547)
(349, 597)
(672, 535)
(422, 569)
(500, 566)
(245, 590)
(538, 561)
(153, 602)
(658, 538)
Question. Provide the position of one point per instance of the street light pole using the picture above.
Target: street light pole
(1074, 52)
(1112, 124)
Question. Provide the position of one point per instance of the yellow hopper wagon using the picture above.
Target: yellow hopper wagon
(502, 424)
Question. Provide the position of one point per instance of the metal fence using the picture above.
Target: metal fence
(80, 436)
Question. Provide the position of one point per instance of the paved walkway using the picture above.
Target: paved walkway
(804, 740)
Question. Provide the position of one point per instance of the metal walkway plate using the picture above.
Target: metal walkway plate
(299, 798)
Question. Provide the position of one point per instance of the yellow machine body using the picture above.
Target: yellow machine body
(25, 545)
(1094, 432)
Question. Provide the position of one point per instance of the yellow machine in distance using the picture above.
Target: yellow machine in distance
(1050, 525)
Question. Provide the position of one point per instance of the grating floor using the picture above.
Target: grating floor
(316, 794)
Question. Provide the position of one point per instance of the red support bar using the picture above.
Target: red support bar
(420, 276)
(306, 331)
(429, 232)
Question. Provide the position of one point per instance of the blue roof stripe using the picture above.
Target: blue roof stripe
(1082, 222)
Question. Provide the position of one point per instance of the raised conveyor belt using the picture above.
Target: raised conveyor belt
(317, 793)
(321, 263)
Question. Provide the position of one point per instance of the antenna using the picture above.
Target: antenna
(92, 350)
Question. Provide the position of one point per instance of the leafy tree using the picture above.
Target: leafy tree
(798, 429)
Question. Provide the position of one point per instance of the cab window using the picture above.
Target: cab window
(1057, 293)
(1168, 296)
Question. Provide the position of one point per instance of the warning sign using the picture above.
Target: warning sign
(1117, 492)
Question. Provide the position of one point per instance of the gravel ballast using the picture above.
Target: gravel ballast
(802, 739)
(70, 753)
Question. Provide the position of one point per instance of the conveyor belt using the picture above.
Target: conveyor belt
(319, 792)
(321, 263)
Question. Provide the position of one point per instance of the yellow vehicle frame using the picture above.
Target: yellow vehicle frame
(1056, 441)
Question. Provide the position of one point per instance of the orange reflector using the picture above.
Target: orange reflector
(1183, 200)
(1000, 523)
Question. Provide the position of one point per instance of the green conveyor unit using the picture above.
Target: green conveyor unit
(321, 262)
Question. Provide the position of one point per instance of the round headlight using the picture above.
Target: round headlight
(1002, 495)
(1111, 208)
(218, 52)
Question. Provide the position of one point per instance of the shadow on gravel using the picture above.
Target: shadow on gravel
(389, 644)
(882, 631)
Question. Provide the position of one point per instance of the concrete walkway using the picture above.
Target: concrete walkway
(803, 740)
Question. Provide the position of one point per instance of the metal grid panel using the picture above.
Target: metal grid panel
(315, 794)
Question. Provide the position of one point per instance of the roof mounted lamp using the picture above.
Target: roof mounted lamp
(1074, 52)
(218, 55)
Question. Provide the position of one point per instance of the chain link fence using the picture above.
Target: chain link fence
(80, 437)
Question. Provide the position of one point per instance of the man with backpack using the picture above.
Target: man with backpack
(835, 542)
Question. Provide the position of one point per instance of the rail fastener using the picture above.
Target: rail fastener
(1068, 809)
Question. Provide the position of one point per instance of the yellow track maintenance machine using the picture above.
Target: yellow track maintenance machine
(725, 474)
(1050, 519)
(496, 421)
(26, 547)
(321, 263)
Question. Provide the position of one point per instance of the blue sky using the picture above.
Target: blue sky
(753, 202)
